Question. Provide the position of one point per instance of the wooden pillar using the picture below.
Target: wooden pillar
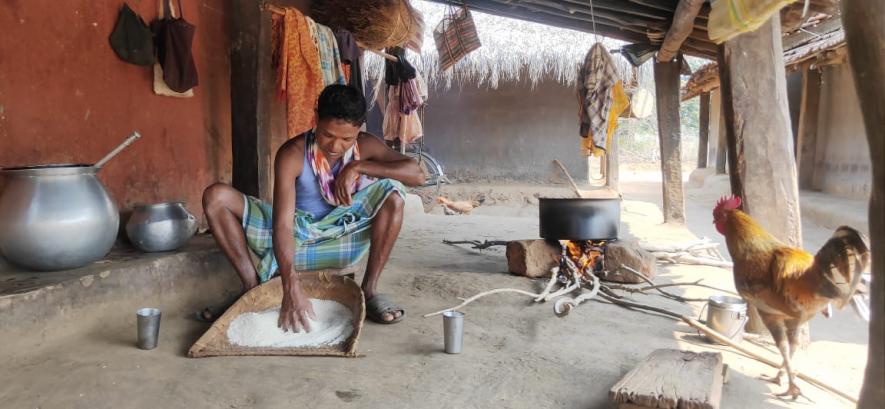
(667, 96)
(758, 126)
(249, 62)
(762, 166)
(722, 144)
(862, 22)
(703, 130)
(612, 166)
(807, 135)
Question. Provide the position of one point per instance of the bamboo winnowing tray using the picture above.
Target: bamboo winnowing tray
(320, 285)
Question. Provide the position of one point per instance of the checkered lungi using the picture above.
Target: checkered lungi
(338, 240)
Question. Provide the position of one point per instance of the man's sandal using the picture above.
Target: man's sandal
(379, 305)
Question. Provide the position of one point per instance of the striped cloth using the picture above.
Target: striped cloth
(339, 240)
(330, 58)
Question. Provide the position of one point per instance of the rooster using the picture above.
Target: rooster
(457, 207)
(787, 285)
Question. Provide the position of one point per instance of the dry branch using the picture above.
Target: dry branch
(476, 244)
(480, 295)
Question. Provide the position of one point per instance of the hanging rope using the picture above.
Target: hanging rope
(593, 20)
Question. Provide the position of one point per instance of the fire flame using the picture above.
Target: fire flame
(586, 255)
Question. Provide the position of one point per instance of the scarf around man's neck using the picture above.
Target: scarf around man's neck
(323, 170)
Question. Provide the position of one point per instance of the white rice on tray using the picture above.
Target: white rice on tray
(259, 329)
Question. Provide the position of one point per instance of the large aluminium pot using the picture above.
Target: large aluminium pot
(580, 218)
(55, 217)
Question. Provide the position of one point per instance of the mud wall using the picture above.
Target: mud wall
(511, 133)
(843, 158)
(66, 97)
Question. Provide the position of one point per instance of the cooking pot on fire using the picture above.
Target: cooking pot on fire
(580, 218)
(56, 217)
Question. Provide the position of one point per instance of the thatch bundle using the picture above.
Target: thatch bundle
(376, 24)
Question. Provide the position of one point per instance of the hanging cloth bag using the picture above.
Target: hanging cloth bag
(131, 39)
(455, 36)
(175, 36)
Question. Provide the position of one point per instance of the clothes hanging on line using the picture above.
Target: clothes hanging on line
(351, 59)
(601, 99)
(330, 59)
(299, 77)
(397, 125)
(400, 70)
(307, 59)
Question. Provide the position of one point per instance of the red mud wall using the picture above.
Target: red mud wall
(66, 97)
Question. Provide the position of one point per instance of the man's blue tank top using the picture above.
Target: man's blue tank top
(308, 197)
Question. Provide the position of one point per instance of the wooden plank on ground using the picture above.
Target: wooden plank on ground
(671, 379)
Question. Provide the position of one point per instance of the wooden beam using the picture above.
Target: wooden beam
(865, 37)
(682, 26)
(620, 7)
(667, 96)
(703, 130)
(503, 10)
(605, 26)
(247, 142)
(806, 141)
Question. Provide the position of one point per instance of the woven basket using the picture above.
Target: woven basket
(320, 285)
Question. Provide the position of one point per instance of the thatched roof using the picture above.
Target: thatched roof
(512, 50)
(826, 47)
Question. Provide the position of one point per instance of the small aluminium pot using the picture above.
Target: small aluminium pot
(55, 217)
(160, 227)
(727, 315)
(580, 218)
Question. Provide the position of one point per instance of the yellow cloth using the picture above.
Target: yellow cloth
(620, 102)
(729, 18)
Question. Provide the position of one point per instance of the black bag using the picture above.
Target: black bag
(131, 39)
(175, 36)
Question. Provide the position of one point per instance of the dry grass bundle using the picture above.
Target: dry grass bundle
(376, 24)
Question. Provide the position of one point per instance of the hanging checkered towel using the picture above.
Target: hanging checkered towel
(601, 99)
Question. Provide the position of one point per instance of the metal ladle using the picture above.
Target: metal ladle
(131, 138)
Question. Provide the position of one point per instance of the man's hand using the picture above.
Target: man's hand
(345, 181)
(295, 310)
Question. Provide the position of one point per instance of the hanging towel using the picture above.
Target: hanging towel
(330, 59)
(300, 79)
(601, 100)
(728, 18)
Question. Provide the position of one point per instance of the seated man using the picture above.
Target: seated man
(337, 195)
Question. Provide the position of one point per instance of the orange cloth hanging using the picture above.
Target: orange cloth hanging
(300, 80)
